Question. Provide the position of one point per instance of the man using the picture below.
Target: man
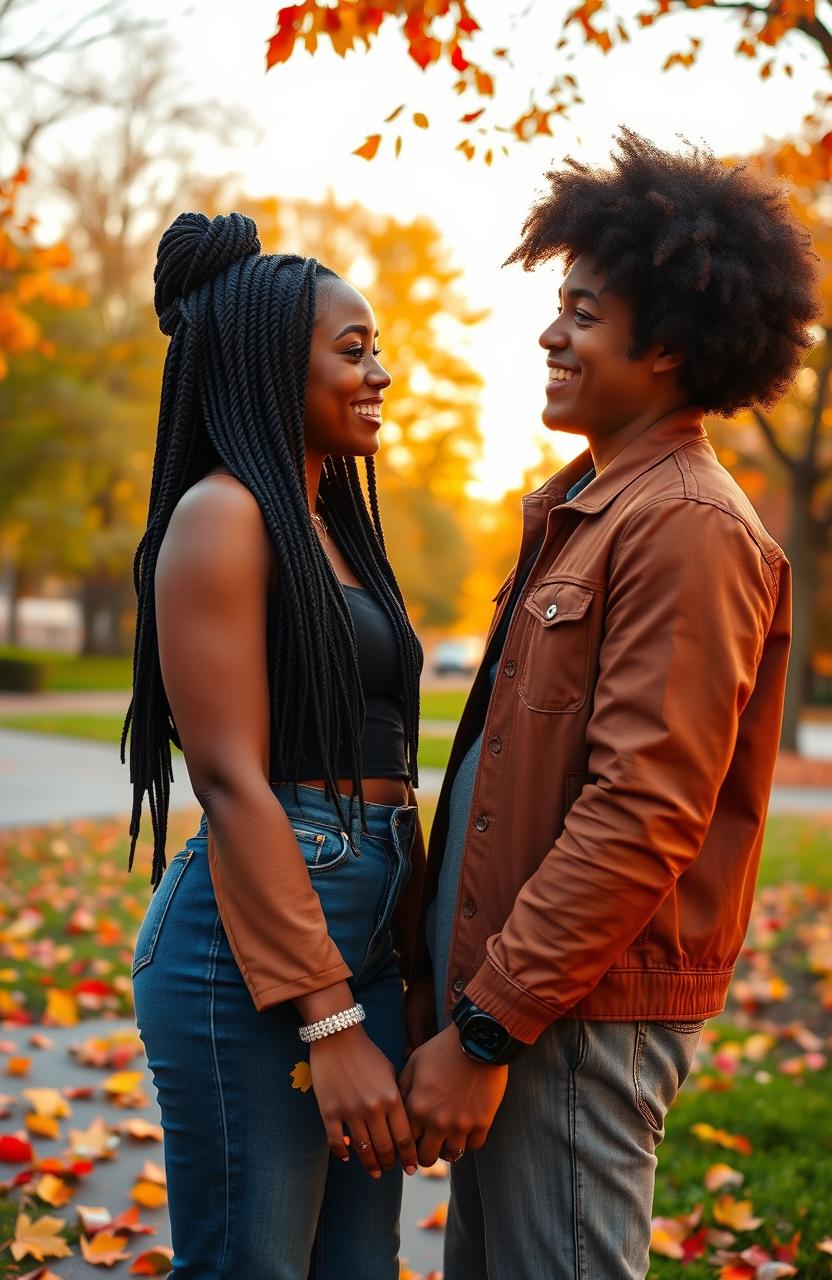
(596, 842)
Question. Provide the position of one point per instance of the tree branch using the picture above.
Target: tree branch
(791, 463)
(817, 415)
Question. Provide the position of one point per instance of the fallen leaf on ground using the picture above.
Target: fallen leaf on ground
(733, 1141)
(141, 1130)
(123, 1082)
(61, 1008)
(667, 1236)
(438, 1170)
(47, 1102)
(54, 1191)
(41, 1239)
(43, 1126)
(722, 1175)
(150, 1195)
(39, 1041)
(435, 1221)
(825, 1245)
(93, 1218)
(736, 1214)
(94, 1143)
(156, 1262)
(104, 1250)
(153, 1172)
(18, 1066)
(15, 1149)
(129, 1221)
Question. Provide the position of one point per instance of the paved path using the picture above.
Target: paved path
(46, 778)
(111, 1181)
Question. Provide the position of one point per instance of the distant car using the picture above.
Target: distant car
(458, 657)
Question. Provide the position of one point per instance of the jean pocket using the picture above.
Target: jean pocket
(661, 1064)
(154, 918)
(323, 847)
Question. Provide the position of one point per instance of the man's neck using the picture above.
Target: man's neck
(605, 449)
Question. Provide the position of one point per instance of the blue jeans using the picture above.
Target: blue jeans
(252, 1189)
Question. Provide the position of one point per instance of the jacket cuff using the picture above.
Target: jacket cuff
(300, 986)
(520, 1013)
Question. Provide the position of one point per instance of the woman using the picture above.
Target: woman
(273, 646)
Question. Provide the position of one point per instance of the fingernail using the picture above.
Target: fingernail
(345, 1159)
(410, 1168)
(375, 1173)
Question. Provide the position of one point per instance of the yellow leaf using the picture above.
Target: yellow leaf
(94, 1143)
(142, 1130)
(667, 1236)
(61, 1008)
(301, 1077)
(393, 114)
(54, 1191)
(735, 1214)
(41, 1239)
(152, 1172)
(104, 1249)
(48, 1102)
(122, 1082)
(420, 120)
(369, 148)
(149, 1194)
(43, 1126)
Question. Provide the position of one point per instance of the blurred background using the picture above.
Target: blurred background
(402, 144)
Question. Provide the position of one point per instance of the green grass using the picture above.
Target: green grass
(443, 704)
(797, 849)
(71, 673)
(69, 724)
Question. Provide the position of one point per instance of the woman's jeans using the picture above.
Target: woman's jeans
(252, 1189)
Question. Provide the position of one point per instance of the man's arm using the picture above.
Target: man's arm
(690, 601)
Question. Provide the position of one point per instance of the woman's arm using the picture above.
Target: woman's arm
(211, 588)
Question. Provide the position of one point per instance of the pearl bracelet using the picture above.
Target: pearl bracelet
(335, 1022)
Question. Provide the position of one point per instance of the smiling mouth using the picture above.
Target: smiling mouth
(371, 412)
(561, 377)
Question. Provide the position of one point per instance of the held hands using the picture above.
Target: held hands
(451, 1100)
(355, 1085)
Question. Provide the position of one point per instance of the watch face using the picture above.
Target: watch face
(486, 1034)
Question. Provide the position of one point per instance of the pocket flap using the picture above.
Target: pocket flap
(554, 602)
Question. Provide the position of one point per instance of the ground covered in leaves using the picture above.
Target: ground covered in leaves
(744, 1189)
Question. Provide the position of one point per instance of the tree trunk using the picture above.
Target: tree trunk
(803, 554)
(103, 604)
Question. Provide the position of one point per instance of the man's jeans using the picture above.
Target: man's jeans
(254, 1193)
(563, 1188)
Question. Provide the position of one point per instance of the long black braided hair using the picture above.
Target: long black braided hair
(233, 391)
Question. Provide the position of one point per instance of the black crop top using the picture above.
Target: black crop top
(382, 742)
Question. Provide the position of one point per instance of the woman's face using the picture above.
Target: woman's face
(344, 391)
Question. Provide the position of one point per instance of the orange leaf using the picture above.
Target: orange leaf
(129, 1222)
(40, 1239)
(722, 1175)
(438, 1170)
(18, 1066)
(54, 1191)
(47, 1102)
(43, 1126)
(368, 149)
(93, 1218)
(394, 114)
(142, 1130)
(420, 120)
(156, 1262)
(735, 1214)
(123, 1082)
(104, 1250)
(435, 1221)
(152, 1172)
(61, 1008)
(149, 1194)
(301, 1077)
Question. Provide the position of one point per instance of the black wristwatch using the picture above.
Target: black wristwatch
(482, 1036)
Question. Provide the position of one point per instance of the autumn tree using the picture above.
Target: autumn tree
(430, 438)
(471, 40)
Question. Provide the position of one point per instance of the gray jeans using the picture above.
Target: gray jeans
(563, 1188)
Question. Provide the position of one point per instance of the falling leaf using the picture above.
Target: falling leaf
(420, 120)
(53, 1191)
(368, 149)
(735, 1214)
(104, 1250)
(722, 1175)
(156, 1262)
(149, 1194)
(301, 1076)
(41, 1239)
(394, 114)
(435, 1221)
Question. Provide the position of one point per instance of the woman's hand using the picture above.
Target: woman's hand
(355, 1085)
(419, 1014)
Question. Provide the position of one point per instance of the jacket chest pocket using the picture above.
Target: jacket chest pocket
(555, 667)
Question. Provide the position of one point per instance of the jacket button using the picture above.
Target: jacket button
(495, 745)
(510, 669)
(458, 985)
(551, 611)
(470, 909)
(481, 823)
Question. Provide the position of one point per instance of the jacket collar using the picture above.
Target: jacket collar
(665, 436)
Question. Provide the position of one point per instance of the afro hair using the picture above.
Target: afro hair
(711, 257)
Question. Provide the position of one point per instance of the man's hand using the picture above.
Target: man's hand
(451, 1100)
(419, 1014)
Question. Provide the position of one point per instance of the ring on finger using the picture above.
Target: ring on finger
(362, 1146)
(453, 1156)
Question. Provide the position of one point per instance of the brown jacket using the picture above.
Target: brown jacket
(629, 746)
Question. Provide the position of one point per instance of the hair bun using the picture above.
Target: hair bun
(195, 249)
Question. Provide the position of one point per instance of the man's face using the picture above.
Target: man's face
(594, 388)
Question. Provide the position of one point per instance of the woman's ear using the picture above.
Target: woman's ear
(666, 360)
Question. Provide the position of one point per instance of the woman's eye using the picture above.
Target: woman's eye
(377, 352)
(358, 352)
(584, 317)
